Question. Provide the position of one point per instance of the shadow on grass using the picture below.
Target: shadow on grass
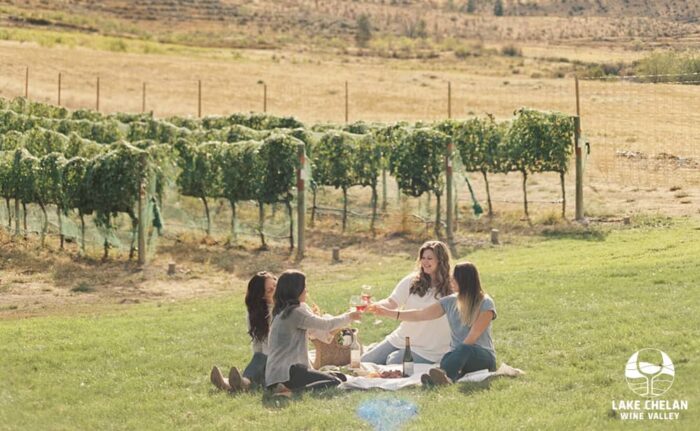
(281, 402)
(575, 232)
(475, 387)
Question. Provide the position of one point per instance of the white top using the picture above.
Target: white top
(430, 339)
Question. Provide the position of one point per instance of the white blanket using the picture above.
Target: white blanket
(414, 380)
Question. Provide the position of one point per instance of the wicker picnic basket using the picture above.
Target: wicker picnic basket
(332, 353)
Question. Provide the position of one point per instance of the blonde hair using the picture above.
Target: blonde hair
(422, 283)
(470, 294)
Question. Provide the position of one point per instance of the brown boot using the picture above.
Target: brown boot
(281, 391)
(236, 381)
(218, 380)
(438, 376)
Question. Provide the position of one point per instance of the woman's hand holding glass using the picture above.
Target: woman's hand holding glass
(378, 310)
(356, 315)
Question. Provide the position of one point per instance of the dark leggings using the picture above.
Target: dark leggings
(302, 378)
(255, 371)
(467, 358)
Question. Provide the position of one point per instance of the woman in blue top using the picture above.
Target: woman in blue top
(469, 312)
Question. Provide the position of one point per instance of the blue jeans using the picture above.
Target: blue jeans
(385, 353)
(255, 371)
(467, 358)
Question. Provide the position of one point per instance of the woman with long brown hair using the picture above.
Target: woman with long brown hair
(288, 361)
(258, 301)
(430, 340)
(470, 312)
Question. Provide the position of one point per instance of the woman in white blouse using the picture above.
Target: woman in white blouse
(430, 339)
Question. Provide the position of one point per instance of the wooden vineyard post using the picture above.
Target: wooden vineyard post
(448, 173)
(26, 83)
(449, 99)
(17, 217)
(301, 201)
(579, 157)
(347, 116)
(261, 82)
(494, 237)
(579, 169)
(384, 190)
(449, 190)
(143, 98)
(142, 215)
(59, 88)
(97, 101)
(199, 99)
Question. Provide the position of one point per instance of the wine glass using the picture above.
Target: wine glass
(366, 294)
(356, 303)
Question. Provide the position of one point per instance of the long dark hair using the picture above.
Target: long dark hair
(422, 282)
(470, 292)
(290, 286)
(258, 309)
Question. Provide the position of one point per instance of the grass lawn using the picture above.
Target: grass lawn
(571, 312)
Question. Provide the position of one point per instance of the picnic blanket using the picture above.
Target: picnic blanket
(414, 380)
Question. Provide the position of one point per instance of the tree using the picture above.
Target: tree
(199, 173)
(364, 30)
(279, 162)
(418, 164)
(471, 6)
(480, 145)
(333, 164)
(540, 142)
(366, 166)
(498, 8)
(241, 173)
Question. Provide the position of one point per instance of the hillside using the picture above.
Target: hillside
(333, 23)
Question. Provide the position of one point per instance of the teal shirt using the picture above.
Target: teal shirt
(460, 331)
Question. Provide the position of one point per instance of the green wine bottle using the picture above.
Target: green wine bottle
(407, 359)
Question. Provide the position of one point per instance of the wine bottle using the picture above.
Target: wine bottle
(407, 359)
(355, 352)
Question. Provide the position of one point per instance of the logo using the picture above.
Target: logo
(649, 372)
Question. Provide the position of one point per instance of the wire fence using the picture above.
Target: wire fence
(642, 130)
(644, 134)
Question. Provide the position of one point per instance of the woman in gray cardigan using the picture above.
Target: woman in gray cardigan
(288, 358)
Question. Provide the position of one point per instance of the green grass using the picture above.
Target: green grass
(571, 312)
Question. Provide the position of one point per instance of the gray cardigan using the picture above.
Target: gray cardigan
(288, 340)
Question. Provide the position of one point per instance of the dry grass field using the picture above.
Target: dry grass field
(642, 135)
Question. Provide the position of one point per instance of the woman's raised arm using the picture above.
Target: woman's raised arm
(387, 303)
(428, 313)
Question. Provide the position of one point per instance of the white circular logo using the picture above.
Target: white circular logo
(649, 372)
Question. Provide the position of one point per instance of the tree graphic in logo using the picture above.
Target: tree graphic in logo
(649, 372)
